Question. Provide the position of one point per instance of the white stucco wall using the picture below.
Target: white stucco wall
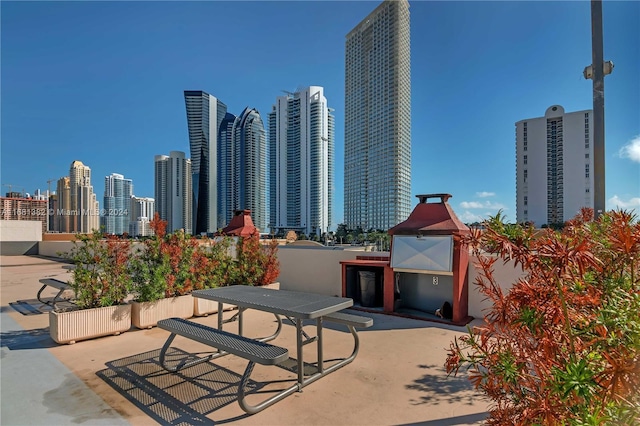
(318, 270)
(505, 275)
(53, 248)
(312, 269)
(20, 230)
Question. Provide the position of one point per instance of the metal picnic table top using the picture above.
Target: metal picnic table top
(282, 302)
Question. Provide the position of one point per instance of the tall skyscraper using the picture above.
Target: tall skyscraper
(84, 209)
(226, 168)
(204, 117)
(377, 139)
(117, 203)
(173, 190)
(301, 139)
(141, 213)
(250, 182)
(554, 166)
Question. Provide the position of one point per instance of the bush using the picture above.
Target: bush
(101, 276)
(256, 264)
(169, 265)
(563, 345)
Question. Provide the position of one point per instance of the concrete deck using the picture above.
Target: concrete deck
(397, 379)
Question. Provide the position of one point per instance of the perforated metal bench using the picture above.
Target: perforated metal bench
(227, 343)
(62, 286)
(357, 321)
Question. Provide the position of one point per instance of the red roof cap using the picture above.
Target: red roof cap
(241, 225)
(431, 218)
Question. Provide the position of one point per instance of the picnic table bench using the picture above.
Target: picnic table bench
(61, 286)
(296, 306)
(227, 343)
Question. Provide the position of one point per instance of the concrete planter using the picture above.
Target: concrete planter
(273, 286)
(72, 326)
(204, 307)
(147, 314)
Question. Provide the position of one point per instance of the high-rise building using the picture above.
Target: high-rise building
(141, 213)
(62, 221)
(117, 204)
(377, 138)
(301, 139)
(250, 164)
(173, 190)
(204, 117)
(554, 166)
(84, 210)
(226, 168)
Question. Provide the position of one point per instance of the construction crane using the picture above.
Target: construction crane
(49, 183)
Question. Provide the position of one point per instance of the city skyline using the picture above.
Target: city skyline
(71, 83)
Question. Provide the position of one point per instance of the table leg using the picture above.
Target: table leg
(299, 350)
(240, 312)
(319, 345)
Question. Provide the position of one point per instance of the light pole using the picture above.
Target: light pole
(596, 71)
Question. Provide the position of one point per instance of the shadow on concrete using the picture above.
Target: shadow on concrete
(451, 421)
(182, 398)
(38, 338)
(448, 389)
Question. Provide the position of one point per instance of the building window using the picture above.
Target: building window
(586, 155)
(525, 159)
(525, 200)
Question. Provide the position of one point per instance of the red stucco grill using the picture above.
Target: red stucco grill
(427, 266)
(428, 261)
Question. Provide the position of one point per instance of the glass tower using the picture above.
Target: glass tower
(242, 168)
(204, 117)
(117, 204)
(377, 165)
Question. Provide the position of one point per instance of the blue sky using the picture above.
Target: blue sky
(103, 82)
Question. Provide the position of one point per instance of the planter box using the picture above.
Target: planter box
(204, 307)
(147, 314)
(274, 286)
(72, 326)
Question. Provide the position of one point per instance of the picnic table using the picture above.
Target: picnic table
(297, 306)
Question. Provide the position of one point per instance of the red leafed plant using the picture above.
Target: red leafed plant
(257, 264)
(563, 345)
(168, 265)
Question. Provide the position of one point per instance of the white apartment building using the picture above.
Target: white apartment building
(141, 213)
(377, 138)
(554, 166)
(301, 145)
(173, 191)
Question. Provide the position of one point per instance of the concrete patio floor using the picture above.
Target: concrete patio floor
(398, 377)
